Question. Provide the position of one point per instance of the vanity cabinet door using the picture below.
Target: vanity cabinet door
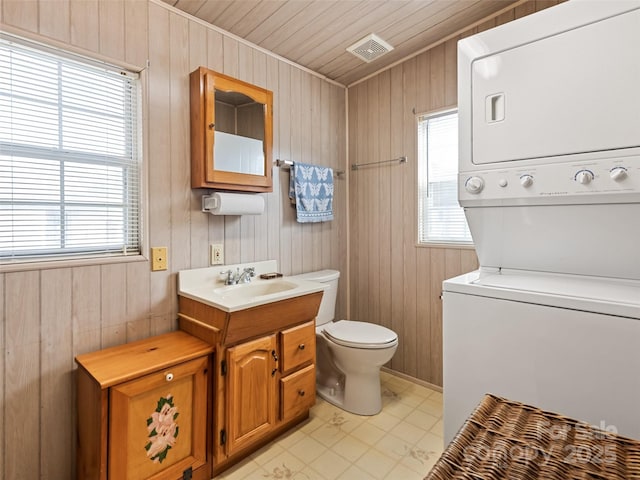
(251, 391)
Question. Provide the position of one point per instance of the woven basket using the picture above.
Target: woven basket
(508, 440)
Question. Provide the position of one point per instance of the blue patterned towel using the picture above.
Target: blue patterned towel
(311, 188)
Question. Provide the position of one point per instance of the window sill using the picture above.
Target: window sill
(25, 266)
(457, 246)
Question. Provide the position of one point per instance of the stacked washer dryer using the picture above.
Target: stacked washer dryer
(549, 109)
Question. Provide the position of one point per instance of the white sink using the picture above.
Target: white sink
(255, 289)
(206, 285)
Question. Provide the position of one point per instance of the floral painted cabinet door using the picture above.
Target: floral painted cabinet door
(156, 423)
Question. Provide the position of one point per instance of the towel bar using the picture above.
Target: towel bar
(355, 166)
(288, 163)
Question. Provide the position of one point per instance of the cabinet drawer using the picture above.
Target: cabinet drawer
(298, 346)
(297, 392)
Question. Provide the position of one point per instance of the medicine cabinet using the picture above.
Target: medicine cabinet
(231, 133)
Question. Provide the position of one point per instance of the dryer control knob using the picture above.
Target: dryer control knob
(474, 185)
(526, 180)
(618, 173)
(584, 177)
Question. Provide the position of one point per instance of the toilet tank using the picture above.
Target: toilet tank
(327, 310)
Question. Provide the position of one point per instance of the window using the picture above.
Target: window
(69, 156)
(440, 218)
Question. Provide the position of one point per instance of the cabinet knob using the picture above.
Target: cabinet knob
(301, 346)
(168, 377)
(212, 126)
(301, 393)
(273, 354)
(273, 372)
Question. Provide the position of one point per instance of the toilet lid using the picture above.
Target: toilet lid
(360, 334)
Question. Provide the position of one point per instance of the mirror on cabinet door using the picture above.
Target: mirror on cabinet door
(231, 133)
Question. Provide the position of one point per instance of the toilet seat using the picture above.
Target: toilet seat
(360, 334)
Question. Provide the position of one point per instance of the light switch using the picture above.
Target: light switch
(158, 258)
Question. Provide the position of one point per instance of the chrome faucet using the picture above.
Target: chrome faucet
(233, 278)
(247, 273)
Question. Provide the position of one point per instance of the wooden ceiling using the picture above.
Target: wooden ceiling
(316, 33)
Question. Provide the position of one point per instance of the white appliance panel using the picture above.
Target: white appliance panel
(609, 296)
(581, 364)
(613, 180)
(601, 240)
(531, 103)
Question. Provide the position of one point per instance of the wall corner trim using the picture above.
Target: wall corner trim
(245, 42)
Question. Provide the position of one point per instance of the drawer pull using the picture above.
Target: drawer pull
(301, 392)
(301, 346)
(168, 377)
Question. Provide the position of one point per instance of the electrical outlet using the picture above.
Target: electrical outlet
(158, 258)
(217, 255)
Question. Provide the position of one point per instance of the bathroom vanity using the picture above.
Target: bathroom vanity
(263, 379)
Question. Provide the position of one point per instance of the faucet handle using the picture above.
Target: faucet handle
(229, 279)
(251, 271)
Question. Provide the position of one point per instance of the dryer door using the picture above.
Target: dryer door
(570, 93)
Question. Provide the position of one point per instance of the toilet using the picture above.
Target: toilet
(349, 354)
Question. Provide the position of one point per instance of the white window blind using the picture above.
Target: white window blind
(440, 218)
(69, 156)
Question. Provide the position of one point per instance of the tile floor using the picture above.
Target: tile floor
(402, 442)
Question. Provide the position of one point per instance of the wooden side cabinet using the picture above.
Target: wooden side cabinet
(143, 410)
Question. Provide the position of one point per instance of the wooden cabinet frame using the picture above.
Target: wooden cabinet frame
(204, 83)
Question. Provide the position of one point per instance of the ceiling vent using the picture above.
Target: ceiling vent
(370, 48)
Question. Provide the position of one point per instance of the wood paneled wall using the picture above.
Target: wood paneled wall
(394, 282)
(49, 316)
